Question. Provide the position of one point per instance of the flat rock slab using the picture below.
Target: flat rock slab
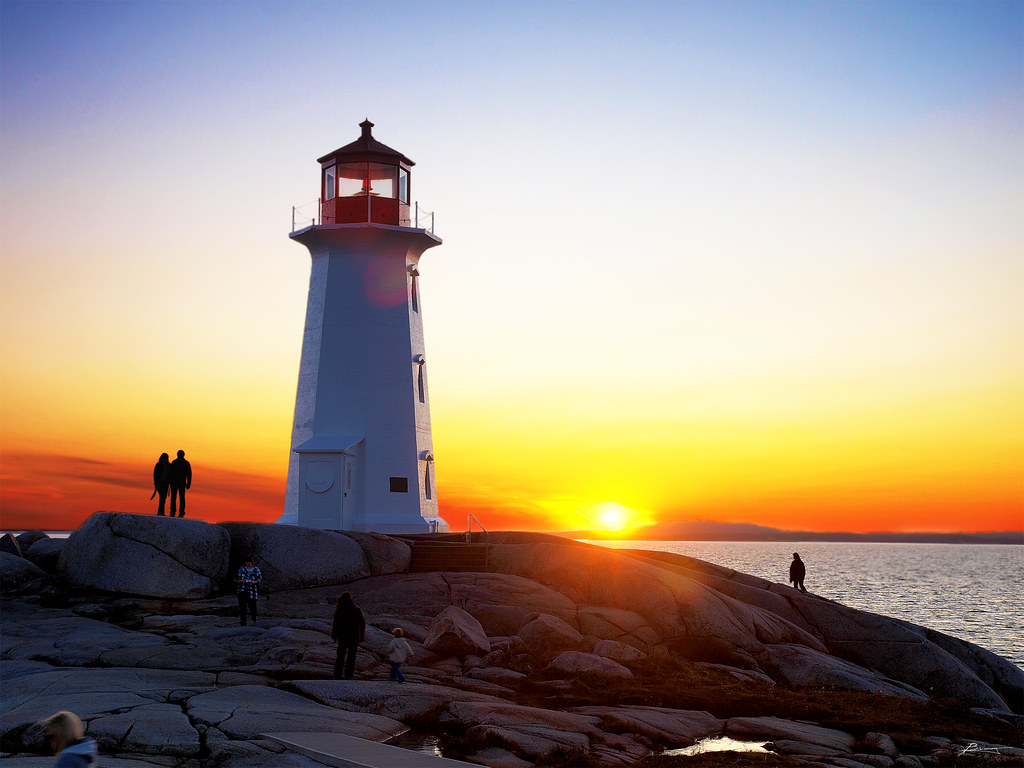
(515, 716)
(351, 752)
(32, 692)
(106, 761)
(400, 701)
(776, 729)
(677, 727)
(245, 711)
(160, 729)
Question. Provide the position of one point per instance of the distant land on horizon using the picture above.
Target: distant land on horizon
(706, 530)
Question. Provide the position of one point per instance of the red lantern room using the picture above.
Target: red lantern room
(365, 181)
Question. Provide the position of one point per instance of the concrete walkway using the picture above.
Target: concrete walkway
(351, 752)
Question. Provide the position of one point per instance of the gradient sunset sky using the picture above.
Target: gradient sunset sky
(749, 262)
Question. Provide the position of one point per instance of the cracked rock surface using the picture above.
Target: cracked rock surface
(564, 654)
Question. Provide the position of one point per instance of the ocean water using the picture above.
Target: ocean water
(971, 591)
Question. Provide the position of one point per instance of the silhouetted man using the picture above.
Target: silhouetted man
(797, 571)
(348, 630)
(181, 478)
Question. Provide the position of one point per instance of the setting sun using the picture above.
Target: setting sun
(613, 516)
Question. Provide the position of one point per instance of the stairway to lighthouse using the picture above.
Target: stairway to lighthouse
(455, 554)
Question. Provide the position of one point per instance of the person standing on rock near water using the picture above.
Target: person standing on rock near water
(161, 480)
(181, 478)
(66, 736)
(797, 571)
(348, 631)
(248, 580)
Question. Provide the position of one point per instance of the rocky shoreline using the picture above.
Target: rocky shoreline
(560, 653)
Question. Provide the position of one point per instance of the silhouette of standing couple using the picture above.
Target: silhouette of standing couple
(174, 475)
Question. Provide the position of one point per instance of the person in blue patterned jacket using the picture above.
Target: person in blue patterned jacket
(248, 580)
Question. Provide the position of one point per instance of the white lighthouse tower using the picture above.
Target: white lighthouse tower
(362, 454)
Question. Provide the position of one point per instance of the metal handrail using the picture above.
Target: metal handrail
(301, 218)
(469, 535)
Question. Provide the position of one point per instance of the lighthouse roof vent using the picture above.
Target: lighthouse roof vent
(367, 148)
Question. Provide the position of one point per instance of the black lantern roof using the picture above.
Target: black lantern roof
(367, 148)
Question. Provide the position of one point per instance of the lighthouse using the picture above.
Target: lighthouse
(361, 452)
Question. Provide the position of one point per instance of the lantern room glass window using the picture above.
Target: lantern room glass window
(403, 185)
(383, 179)
(329, 188)
(351, 179)
(377, 179)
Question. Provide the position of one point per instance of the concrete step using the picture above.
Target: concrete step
(351, 752)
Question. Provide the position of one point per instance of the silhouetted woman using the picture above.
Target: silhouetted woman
(797, 571)
(348, 630)
(162, 479)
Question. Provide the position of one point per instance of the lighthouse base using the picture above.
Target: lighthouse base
(327, 490)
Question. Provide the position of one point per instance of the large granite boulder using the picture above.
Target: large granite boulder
(617, 624)
(587, 665)
(670, 603)
(146, 555)
(385, 554)
(717, 615)
(503, 603)
(903, 652)
(10, 545)
(293, 557)
(547, 636)
(16, 571)
(28, 538)
(620, 652)
(456, 633)
(801, 667)
(45, 553)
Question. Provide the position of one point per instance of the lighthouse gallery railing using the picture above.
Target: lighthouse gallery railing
(308, 215)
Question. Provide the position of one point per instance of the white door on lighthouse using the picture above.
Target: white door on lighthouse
(324, 481)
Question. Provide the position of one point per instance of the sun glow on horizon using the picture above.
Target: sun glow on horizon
(612, 516)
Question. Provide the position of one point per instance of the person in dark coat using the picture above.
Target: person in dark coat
(181, 478)
(162, 479)
(797, 571)
(348, 631)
